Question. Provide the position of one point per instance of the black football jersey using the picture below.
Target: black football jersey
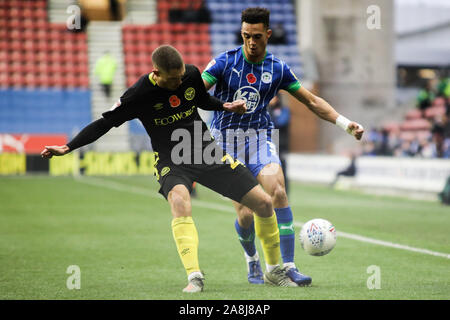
(162, 111)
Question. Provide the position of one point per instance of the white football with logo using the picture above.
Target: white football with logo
(318, 237)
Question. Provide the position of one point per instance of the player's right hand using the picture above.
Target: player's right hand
(237, 106)
(50, 151)
(356, 130)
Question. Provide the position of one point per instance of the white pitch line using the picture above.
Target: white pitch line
(386, 243)
(210, 205)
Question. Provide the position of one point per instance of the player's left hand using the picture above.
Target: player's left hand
(355, 130)
(237, 106)
(50, 151)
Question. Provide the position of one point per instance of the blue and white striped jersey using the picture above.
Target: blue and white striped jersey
(237, 78)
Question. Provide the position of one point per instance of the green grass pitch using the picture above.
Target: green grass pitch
(117, 230)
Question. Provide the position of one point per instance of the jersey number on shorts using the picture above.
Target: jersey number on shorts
(233, 162)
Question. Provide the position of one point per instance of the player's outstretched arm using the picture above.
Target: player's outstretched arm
(326, 112)
(89, 134)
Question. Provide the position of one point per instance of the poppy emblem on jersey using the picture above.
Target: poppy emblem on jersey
(251, 78)
(250, 95)
(174, 101)
(266, 77)
(165, 171)
(189, 94)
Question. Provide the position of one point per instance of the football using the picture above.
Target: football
(318, 237)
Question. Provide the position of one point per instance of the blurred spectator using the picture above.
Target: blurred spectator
(278, 34)
(105, 69)
(281, 117)
(444, 196)
(114, 9)
(427, 149)
(438, 140)
(350, 171)
(203, 14)
(374, 135)
(394, 140)
(426, 96)
(446, 151)
(407, 149)
(443, 89)
(383, 144)
(192, 14)
(368, 148)
(434, 144)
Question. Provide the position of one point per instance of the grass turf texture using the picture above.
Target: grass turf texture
(117, 230)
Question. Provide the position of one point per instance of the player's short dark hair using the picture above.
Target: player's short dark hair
(256, 15)
(167, 58)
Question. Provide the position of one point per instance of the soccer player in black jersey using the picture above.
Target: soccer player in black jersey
(166, 100)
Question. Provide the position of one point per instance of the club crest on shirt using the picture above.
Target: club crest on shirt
(251, 79)
(174, 101)
(189, 94)
(250, 95)
(266, 77)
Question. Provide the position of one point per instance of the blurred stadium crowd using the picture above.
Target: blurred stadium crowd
(425, 131)
(45, 85)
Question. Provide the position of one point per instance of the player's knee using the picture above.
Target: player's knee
(179, 203)
(279, 195)
(265, 208)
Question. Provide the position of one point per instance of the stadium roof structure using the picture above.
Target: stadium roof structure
(422, 57)
(422, 28)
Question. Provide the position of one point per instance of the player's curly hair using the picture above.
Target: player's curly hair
(167, 58)
(256, 15)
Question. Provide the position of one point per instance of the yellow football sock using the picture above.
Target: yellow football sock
(186, 239)
(267, 231)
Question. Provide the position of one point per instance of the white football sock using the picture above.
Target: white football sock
(255, 257)
(289, 265)
(270, 267)
(195, 274)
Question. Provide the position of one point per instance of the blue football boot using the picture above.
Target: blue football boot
(255, 275)
(299, 278)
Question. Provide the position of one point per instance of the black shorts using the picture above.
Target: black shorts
(230, 178)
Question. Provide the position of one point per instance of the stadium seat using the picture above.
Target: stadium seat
(416, 124)
(35, 44)
(435, 111)
(413, 114)
(407, 135)
(439, 102)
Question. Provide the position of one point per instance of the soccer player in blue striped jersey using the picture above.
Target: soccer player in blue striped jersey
(251, 73)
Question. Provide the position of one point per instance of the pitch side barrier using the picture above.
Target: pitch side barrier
(421, 175)
(389, 173)
(75, 163)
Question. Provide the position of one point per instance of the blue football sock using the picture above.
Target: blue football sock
(287, 233)
(247, 238)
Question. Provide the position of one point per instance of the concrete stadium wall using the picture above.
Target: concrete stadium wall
(407, 174)
(356, 64)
